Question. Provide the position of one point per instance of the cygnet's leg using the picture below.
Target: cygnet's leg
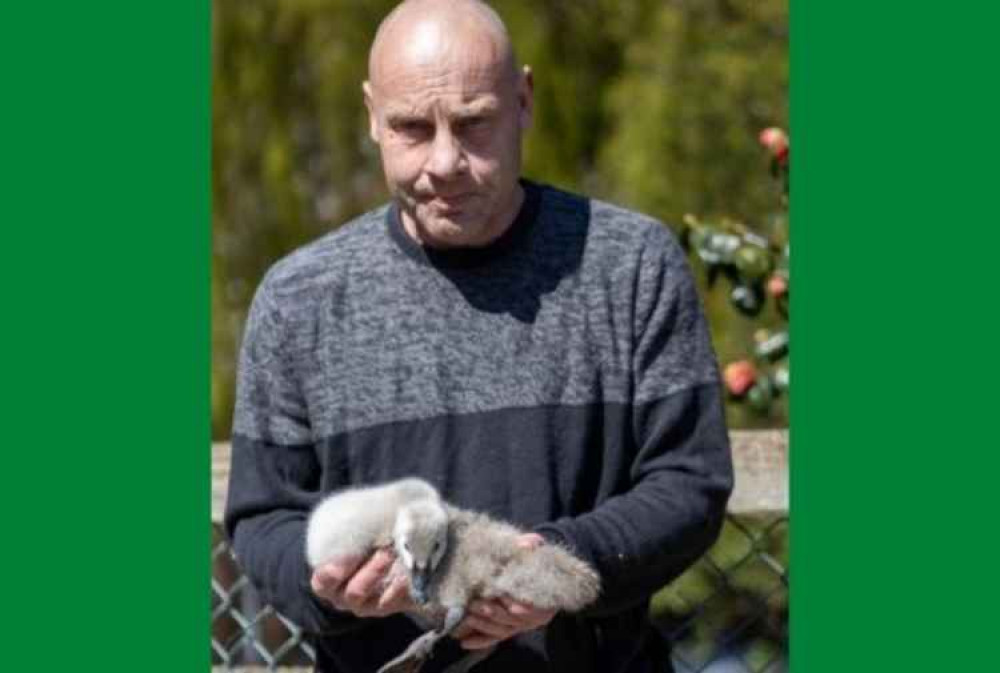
(468, 661)
(413, 657)
(420, 649)
(452, 619)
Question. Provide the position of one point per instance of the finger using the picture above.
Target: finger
(527, 613)
(462, 631)
(337, 600)
(495, 611)
(331, 575)
(490, 628)
(518, 608)
(396, 596)
(365, 582)
(362, 585)
(530, 541)
(365, 610)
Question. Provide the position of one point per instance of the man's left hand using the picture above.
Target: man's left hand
(489, 622)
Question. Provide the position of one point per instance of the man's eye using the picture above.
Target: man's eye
(412, 128)
(473, 123)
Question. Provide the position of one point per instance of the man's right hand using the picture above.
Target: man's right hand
(359, 586)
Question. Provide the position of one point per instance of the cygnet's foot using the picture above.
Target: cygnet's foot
(413, 658)
(403, 664)
(468, 661)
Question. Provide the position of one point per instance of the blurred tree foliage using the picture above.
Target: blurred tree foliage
(653, 104)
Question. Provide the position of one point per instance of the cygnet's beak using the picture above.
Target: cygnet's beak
(419, 580)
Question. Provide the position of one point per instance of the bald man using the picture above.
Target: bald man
(532, 353)
(448, 107)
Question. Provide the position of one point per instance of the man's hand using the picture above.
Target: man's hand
(359, 586)
(489, 622)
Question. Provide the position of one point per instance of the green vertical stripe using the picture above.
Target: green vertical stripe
(894, 114)
(105, 216)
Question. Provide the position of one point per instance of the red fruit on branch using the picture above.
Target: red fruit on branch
(776, 142)
(777, 285)
(739, 377)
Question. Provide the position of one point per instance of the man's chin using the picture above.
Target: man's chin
(451, 230)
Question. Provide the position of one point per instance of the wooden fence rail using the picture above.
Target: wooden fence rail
(760, 458)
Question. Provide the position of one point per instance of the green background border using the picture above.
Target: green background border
(105, 215)
(105, 338)
(893, 448)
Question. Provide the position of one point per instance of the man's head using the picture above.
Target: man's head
(447, 106)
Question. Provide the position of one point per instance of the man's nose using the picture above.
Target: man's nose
(447, 158)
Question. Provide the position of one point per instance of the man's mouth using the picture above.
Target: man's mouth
(448, 202)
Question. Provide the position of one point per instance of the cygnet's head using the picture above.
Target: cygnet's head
(420, 537)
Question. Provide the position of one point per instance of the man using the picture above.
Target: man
(533, 354)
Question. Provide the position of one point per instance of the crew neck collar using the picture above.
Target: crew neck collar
(471, 256)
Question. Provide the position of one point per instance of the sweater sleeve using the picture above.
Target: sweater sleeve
(274, 476)
(681, 471)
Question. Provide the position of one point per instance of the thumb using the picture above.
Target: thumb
(334, 573)
(530, 541)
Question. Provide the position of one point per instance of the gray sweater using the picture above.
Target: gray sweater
(561, 378)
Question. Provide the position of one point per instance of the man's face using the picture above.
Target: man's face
(449, 128)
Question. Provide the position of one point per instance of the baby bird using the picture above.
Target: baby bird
(353, 523)
(483, 560)
(449, 555)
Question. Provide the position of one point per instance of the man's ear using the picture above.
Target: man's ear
(526, 97)
(373, 128)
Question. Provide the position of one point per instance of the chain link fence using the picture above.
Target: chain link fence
(245, 631)
(727, 614)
